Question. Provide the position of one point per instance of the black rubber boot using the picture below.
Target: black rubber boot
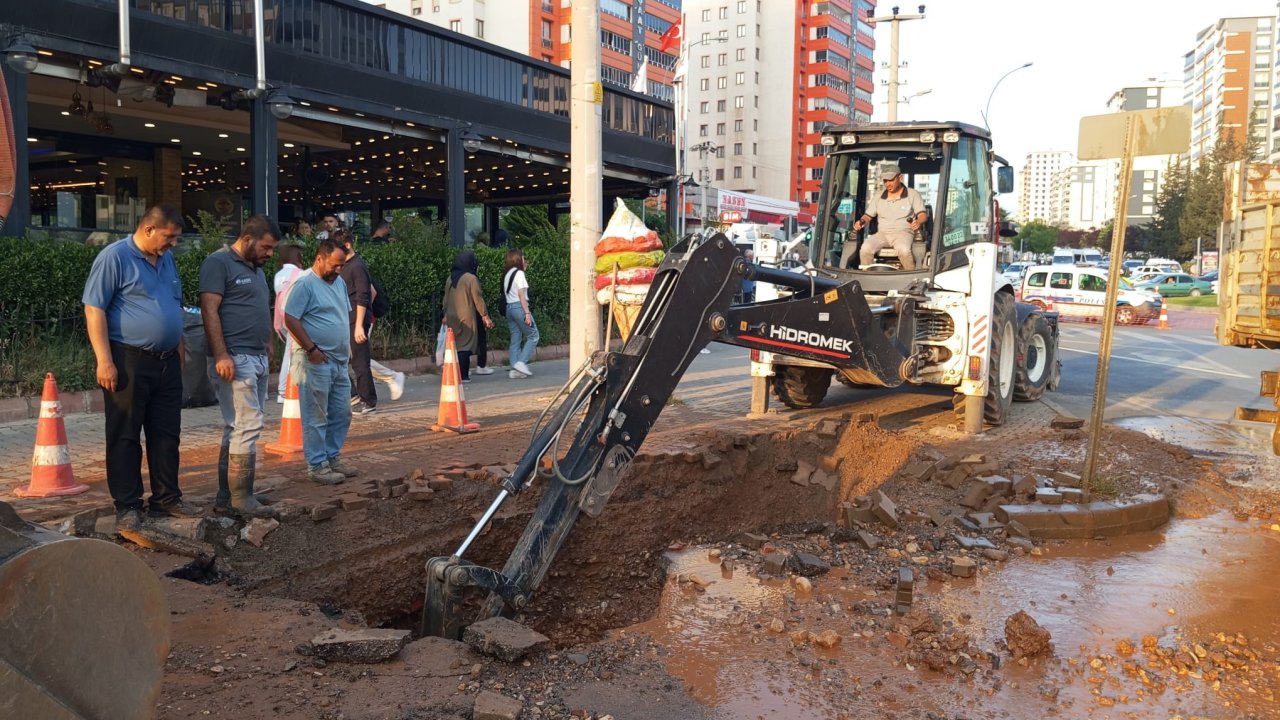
(241, 472)
(222, 503)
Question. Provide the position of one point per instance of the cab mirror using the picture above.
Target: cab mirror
(1004, 179)
(1009, 229)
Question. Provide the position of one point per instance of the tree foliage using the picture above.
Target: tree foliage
(1037, 237)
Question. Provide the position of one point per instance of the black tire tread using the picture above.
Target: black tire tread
(1024, 389)
(799, 387)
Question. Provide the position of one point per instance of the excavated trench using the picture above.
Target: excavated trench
(369, 564)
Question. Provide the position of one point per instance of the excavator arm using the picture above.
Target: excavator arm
(619, 395)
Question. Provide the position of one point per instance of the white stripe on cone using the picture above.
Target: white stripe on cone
(50, 409)
(450, 356)
(291, 410)
(51, 455)
(449, 393)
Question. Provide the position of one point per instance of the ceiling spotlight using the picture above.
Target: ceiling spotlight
(150, 125)
(288, 145)
(470, 143)
(223, 135)
(21, 56)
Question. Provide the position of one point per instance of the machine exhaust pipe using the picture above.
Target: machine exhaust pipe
(122, 67)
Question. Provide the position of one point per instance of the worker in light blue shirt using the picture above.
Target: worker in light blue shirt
(133, 310)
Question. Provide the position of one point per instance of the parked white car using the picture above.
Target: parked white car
(1081, 292)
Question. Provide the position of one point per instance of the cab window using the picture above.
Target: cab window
(1060, 281)
(968, 208)
(1036, 280)
(1093, 283)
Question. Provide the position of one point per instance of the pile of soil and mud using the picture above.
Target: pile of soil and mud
(732, 493)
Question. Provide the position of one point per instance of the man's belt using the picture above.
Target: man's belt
(158, 355)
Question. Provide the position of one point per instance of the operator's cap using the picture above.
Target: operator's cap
(889, 170)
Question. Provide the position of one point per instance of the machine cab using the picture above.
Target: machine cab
(949, 167)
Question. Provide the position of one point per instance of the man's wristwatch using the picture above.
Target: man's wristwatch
(313, 348)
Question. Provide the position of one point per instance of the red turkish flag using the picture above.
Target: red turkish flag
(671, 38)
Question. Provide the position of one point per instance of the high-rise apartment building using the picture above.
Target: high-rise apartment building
(1228, 82)
(1036, 199)
(764, 76)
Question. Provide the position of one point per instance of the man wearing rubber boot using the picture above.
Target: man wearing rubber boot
(236, 307)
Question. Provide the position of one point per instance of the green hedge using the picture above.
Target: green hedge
(42, 319)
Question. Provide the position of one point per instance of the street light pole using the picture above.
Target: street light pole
(682, 122)
(896, 19)
(986, 124)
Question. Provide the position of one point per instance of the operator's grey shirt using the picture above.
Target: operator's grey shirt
(246, 301)
(895, 213)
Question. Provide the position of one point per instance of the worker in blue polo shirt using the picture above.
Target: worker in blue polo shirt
(133, 309)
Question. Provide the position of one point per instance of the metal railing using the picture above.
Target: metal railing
(354, 34)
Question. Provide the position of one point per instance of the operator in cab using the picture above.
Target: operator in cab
(901, 213)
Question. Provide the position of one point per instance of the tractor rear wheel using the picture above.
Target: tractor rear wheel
(1037, 354)
(800, 387)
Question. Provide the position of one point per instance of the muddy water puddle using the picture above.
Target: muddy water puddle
(1194, 581)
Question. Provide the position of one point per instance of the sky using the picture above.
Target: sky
(1082, 51)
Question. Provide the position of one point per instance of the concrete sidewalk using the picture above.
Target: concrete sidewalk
(716, 386)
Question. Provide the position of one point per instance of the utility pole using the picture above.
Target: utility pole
(585, 180)
(896, 19)
(704, 149)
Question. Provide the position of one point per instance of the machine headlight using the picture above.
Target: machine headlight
(928, 136)
(828, 140)
(848, 139)
(950, 136)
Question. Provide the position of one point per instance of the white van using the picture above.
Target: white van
(1077, 256)
(1081, 292)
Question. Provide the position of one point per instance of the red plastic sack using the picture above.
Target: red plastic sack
(642, 243)
(630, 276)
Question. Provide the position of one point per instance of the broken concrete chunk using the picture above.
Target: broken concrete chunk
(906, 587)
(440, 483)
(985, 520)
(920, 470)
(1020, 542)
(969, 543)
(828, 429)
(962, 566)
(494, 706)
(1064, 478)
(1000, 485)
(824, 478)
(323, 511)
(775, 563)
(361, 645)
(869, 541)
(1048, 496)
(1073, 495)
(975, 495)
(1018, 530)
(753, 541)
(885, 510)
(1024, 485)
(937, 517)
(995, 554)
(853, 515)
(808, 565)
(956, 477)
(504, 639)
(711, 461)
(353, 502)
(975, 459)
(420, 493)
(257, 529)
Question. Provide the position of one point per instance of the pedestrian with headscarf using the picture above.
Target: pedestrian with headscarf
(464, 309)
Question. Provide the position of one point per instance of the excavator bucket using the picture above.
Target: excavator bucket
(84, 627)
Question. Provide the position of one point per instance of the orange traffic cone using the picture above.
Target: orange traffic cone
(51, 465)
(1164, 318)
(290, 442)
(453, 403)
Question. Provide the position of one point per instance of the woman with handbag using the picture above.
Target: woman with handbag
(524, 331)
(464, 309)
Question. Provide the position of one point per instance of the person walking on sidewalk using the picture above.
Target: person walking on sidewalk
(290, 269)
(316, 313)
(133, 311)
(524, 331)
(236, 308)
(464, 308)
(355, 275)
